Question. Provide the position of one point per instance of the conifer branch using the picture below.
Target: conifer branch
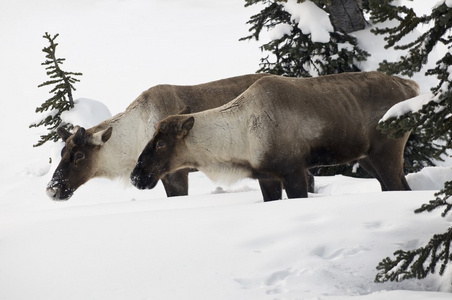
(446, 193)
(417, 263)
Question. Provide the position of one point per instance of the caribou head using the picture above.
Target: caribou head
(163, 154)
(78, 159)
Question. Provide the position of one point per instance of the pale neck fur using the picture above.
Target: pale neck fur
(217, 145)
(132, 130)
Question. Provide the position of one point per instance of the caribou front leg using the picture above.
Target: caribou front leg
(176, 184)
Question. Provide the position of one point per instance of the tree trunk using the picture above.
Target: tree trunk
(346, 15)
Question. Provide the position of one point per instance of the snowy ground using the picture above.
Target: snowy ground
(114, 242)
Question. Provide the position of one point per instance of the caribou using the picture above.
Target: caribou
(111, 148)
(279, 128)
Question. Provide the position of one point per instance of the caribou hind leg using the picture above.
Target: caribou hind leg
(393, 178)
(367, 165)
(176, 184)
(296, 184)
(389, 170)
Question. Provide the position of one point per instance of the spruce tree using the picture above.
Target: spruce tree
(295, 54)
(61, 99)
(432, 120)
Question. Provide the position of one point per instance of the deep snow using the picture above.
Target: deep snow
(114, 242)
(109, 243)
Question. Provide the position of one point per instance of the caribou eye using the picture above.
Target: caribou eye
(79, 156)
(160, 144)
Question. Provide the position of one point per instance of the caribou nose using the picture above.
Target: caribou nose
(135, 180)
(59, 191)
(135, 177)
(53, 192)
(57, 194)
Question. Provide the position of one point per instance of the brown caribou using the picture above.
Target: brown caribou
(111, 148)
(279, 128)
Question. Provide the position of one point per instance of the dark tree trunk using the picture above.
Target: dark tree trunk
(346, 15)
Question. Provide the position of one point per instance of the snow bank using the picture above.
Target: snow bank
(430, 178)
(311, 20)
(86, 113)
(342, 185)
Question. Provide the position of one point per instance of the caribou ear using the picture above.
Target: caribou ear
(163, 127)
(101, 137)
(63, 133)
(184, 126)
(185, 110)
(107, 134)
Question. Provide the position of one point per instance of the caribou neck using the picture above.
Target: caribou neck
(131, 131)
(213, 147)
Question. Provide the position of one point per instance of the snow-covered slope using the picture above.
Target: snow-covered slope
(215, 244)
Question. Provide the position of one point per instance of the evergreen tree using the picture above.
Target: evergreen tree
(432, 120)
(61, 99)
(295, 54)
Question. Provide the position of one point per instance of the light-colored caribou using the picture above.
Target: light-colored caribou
(111, 148)
(279, 128)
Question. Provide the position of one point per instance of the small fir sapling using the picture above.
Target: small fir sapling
(62, 84)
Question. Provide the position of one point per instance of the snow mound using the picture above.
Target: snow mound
(86, 113)
(430, 178)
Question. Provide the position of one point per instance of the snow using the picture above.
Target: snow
(447, 2)
(115, 242)
(279, 31)
(419, 7)
(86, 113)
(133, 245)
(410, 105)
(371, 43)
(311, 19)
(430, 178)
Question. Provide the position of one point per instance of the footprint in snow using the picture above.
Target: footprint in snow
(274, 283)
(340, 253)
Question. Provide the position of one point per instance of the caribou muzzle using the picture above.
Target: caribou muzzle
(57, 192)
(141, 180)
